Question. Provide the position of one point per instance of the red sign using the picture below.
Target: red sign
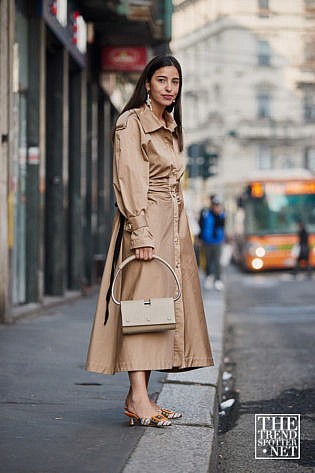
(128, 59)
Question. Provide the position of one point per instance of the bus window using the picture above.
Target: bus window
(278, 213)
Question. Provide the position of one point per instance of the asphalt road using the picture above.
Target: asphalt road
(54, 416)
(270, 351)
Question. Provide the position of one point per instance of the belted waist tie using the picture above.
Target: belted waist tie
(170, 185)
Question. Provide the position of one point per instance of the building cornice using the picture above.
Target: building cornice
(226, 23)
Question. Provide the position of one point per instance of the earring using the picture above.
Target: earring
(148, 100)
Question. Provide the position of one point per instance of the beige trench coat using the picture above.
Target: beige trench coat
(147, 170)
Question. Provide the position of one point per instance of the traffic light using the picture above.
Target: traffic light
(210, 159)
(200, 162)
(195, 153)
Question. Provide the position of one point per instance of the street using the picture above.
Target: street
(270, 352)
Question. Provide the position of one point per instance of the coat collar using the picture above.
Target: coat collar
(151, 123)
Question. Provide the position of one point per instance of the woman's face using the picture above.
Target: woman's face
(164, 86)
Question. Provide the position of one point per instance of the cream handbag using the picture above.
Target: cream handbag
(150, 315)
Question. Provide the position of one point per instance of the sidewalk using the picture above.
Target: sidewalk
(190, 444)
(58, 418)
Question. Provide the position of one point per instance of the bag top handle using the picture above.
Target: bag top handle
(132, 258)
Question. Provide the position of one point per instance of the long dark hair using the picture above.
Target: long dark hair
(139, 95)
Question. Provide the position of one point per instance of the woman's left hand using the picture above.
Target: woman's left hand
(145, 253)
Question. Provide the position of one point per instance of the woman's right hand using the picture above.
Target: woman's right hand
(145, 253)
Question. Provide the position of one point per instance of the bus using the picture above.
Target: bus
(263, 212)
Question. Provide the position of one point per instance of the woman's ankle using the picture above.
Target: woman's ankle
(138, 402)
(135, 398)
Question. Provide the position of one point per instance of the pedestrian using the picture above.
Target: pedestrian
(303, 250)
(148, 166)
(195, 230)
(212, 222)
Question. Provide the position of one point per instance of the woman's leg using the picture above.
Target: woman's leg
(147, 378)
(138, 400)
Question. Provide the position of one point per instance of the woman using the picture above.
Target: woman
(148, 165)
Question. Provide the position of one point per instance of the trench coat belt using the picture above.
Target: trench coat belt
(164, 186)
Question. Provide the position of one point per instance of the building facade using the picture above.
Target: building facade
(249, 83)
(56, 117)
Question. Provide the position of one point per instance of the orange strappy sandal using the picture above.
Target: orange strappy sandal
(167, 413)
(155, 421)
(170, 414)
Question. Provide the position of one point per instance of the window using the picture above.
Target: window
(310, 159)
(263, 4)
(278, 213)
(265, 160)
(309, 50)
(309, 105)
(263, 105)
(309, 4)
(263, 53)
(217, 93)
(263, 8)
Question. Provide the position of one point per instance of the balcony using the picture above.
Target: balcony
(271, 130)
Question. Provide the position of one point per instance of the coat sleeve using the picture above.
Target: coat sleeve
(131, 181)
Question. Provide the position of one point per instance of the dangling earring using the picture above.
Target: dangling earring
(148, 100)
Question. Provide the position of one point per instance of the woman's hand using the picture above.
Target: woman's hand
(144, 253)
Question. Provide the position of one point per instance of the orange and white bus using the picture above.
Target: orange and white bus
(262, 215)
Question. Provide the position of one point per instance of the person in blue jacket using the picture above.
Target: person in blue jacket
(211, 222)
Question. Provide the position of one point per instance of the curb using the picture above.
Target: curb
(191, 442)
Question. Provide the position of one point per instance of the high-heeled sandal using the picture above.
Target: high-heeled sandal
(167, 413)
(154, 421)
(170, 414)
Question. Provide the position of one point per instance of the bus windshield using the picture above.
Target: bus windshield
(279, 213)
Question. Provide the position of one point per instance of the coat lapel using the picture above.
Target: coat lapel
(151, 123)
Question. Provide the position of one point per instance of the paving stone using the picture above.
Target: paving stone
(195, 402)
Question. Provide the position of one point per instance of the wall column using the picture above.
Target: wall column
(75, 210)
(101, 224)
(33, 219)
(6, 210)
(55, 258)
